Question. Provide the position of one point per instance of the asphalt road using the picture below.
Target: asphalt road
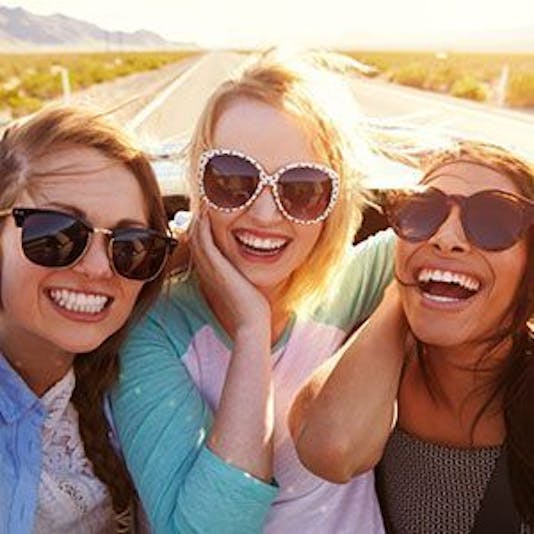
(169, 117)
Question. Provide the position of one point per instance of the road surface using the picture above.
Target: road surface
(168, 116)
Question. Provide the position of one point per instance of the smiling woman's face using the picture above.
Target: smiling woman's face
(456, 293)
(265, 246)
(72, 309)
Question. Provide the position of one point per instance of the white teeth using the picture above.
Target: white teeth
(436, 275)
(440, 298)
(269, 243)
(77, 301)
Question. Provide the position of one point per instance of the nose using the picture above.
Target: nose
(450, 236)
(264, 208)
(95, 263)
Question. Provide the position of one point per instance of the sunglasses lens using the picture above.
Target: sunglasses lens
(53, 239)
(138, 254)
(493, 221)
(229, 181)
(305, 192)
(416, 217)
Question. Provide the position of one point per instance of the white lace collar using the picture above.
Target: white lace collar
(56, 400)
(71, 497)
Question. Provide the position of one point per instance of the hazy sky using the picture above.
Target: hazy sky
(298, 22)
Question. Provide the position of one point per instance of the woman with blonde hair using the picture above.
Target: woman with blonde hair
(275, 171)
(83, 243)
(459, 456)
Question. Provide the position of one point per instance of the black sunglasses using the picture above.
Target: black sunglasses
(492, 220)
(55, 239)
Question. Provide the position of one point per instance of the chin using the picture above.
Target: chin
(80, 346)
(436, 333)
(265, 281)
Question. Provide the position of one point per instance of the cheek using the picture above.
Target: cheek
(220, 224)
(19, 289)
(129, 295)
(309, 236)
(403, 252)
(509, 272)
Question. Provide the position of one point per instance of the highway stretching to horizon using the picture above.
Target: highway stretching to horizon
(168, 116)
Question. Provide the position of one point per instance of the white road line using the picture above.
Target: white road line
(158, 101)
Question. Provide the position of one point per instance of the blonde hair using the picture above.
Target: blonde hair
(322, 102)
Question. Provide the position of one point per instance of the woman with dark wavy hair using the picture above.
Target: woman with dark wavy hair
(460, 456)
(83, 243)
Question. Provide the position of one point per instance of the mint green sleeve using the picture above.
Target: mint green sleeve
(359, 284)
(162, 422)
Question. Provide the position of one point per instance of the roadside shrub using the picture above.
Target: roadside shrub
(471, 88)
(520, 90)
(412, 74)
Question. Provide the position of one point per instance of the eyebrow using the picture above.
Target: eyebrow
(82, 215)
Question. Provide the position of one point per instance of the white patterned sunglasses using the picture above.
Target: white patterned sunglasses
(304, 192)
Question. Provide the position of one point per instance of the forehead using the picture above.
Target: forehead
(85, 179)
(271, 136)
(468, 177)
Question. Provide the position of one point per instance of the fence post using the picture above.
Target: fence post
(65, 82)
(502, 85)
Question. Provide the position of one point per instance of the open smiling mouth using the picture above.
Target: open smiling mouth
(261, 246)
(447, 286)
(76, 301)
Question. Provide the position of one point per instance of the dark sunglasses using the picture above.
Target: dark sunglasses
(304, 192)
(492, 220)
(56, 239)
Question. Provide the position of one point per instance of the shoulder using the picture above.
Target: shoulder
(357, 285)
(177, 315)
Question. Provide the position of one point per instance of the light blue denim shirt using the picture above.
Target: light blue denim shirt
(21, 421)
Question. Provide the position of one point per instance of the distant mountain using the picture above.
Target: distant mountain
(20, 29)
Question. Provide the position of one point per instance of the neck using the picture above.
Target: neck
(463, 371)
(38, 363)
(447, 395)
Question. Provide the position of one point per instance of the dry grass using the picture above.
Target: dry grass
(28, 80)
(472, 76)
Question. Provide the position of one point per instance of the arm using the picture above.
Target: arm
(162, 423)
(341, 419)
(186, 485)
(244, 421)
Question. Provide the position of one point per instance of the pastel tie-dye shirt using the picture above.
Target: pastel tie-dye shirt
(173, 370)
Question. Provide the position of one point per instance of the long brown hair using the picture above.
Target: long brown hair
(515, 381)
(23, 145)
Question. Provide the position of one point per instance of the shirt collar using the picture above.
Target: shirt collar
(57, 398)
(16, 398)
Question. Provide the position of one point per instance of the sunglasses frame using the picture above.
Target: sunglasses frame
(21, 214)
(264, 180)
(524, 205)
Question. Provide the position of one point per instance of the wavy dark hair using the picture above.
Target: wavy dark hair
(22, 147)
(515, 381)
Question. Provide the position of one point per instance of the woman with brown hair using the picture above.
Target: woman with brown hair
(83, 244)
(460, 456)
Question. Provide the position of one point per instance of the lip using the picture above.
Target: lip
(454, 306)
(80, 316)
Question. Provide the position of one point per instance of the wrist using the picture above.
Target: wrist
(258, 331)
